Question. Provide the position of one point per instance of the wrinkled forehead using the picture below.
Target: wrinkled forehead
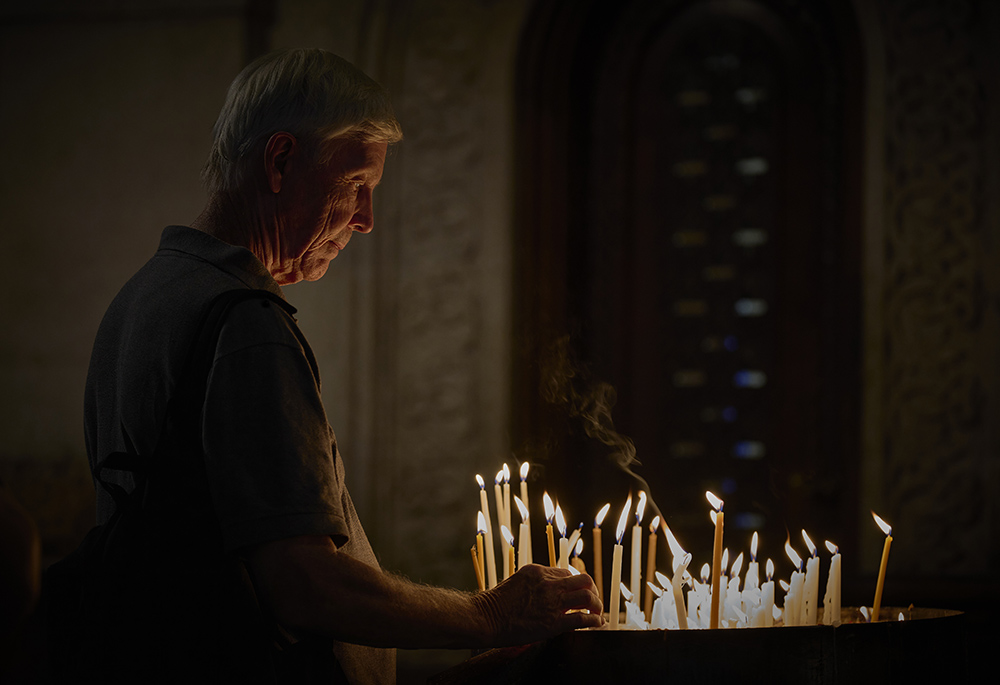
(355, 158)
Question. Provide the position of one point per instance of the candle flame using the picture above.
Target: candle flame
(886, 528)
(560, 521)
(640, 508)
(725, 559)
(675, 547)
(864, 614)
(706, 573)
(573, 571)
(901, 616)
(499, 477)
(578, 550)
(809, 543)
(623, 520)
(625, 593)
(505, 532)
(524, 470)
(506, 474)
(714, 501)
(547, 504)
(599, 519)
(770, 569)
(521, 508)
(753, 547)
(737, 566)
(661, 579)
(796, 559)
(775, 613)
(481, 523)
(654, 524)
(832, 547)
(659, 593)
(479, 479)
(712, 514)
(784, 585)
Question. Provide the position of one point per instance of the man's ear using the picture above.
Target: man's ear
(279, 149)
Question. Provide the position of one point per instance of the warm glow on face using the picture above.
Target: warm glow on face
(506, 474)
(521, 508)
(479, 479)
(770, 569)
(560, 521)
(505, 532)
(547, 505)
(753, 547)
(886, 528)
(599, 519)
(796, 559)
(713, 500)
(640, 508)
(832, 547)
(654, 524)
(623, 520)
(481, 523)
(809, 543)
(524, 471)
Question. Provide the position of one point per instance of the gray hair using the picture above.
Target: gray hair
(312, 94)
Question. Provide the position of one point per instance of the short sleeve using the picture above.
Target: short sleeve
(269, 449)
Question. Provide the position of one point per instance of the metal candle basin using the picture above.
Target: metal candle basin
(929, 644)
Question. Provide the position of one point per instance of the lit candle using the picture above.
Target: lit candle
(481, 531)
(734, 599)
(676, 584)
(616, 565)
(651, 566)
(549, 514)
(509, 539)
(767, 595)
(563, 542)
(575, 536)
(501, 519)
(598, 552)
(887, 529)
(831, 600)
(491, 564)
(718, 517)
(506, 496)
(575, 561)
(480, 582)
(752, 580)
(523, 534)
(810, 614)
(793, 598)
(635, 584)
(527, 504)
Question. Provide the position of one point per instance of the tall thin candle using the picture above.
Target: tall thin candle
(716, 557)
(887, 529)
(616, 566)
(491, 563)
(651, 567)
(598, 552)
(480, 582)
(509, 539)
(831, 600)
(550, 512)
(481, 531)
(506, 497)
(810, 613)
(523, 536)
(636, 569)
(501, 519)
(524, 498)
(563, 541)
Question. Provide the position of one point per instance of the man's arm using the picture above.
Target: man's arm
(310, 586)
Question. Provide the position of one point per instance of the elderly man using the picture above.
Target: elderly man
(298, 151)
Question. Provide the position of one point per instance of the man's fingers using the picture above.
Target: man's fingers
(578, 620)
(582, 599)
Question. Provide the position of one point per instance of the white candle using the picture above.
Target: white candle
(676, 584)
(635, 584)
(616, 566)
(651, 566)
(831, 600)
(810, 613)
(767, 595)
(563, 542)
(793, 598)
(598, 552)
(506, 496)
(718, 519)
(508, 537)
(491, 563)
(527, 504)
(523, 535)
(752, 581)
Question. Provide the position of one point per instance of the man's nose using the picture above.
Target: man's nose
(363, 220)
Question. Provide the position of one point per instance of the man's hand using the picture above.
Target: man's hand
(535, 603)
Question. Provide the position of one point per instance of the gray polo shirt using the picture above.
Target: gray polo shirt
(271, 457)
